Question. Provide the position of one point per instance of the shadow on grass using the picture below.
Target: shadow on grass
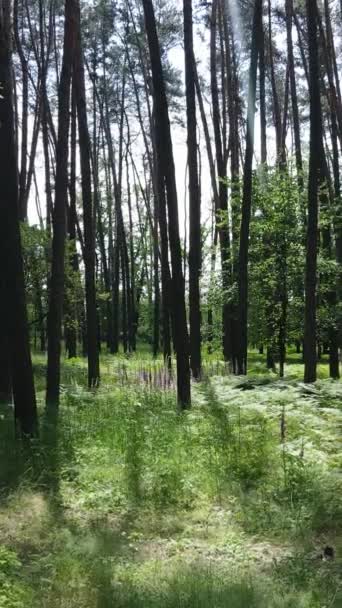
(36, 464)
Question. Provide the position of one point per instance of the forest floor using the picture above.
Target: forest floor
(126, 503)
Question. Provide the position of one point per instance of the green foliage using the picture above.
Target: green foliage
(74, 293)
(276, 259)
(188, 588)
(12, 592)
(36, 247)
(129, 503)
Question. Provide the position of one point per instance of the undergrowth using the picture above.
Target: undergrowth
(126, 502)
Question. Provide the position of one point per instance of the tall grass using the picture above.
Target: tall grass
(127, 502)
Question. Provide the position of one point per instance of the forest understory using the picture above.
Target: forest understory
(170, 303)
(127, 502)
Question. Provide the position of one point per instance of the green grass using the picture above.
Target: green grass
(128, 503)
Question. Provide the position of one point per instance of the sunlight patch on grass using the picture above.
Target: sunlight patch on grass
(132, 504)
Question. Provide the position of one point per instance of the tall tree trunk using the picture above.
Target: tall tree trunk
(131, 291)
(316, 145)
(233, 147)
(338, 214)
(45, 115)
(167, 170)
(156, 303)
(330, 295)
(14, 332)
(24, 116)
(114, 338)
(98, 211)
(222, 210)
(88, 208)
(275, 97)
(56, 294)
(34, 142)
(70, 329)
(194, 197)
(164, 259)
(115, 292)
(294, 100)
(207, 139)
(247, 193)
(262, 83)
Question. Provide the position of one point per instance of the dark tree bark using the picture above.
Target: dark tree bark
(151, 165)
(115, 293)
(263, 134)
(330, 296)
(332, 67)
(222, 210)
(131, 291)
(44, 60)
(112, 251)
(121, 242)
(275, 97)
(156, 303)
(194, 197)
(247, 193)
(335, 295)
(167, 170)
(40, 314)
(70, 329)
(208, 145)
(262, 83)
(338, 215)
(15, 345)
(88, 207)
(56, 295)
(316, 145)
(164, 257)
(121, 231)
(301, 46)
(233, 149)
(294, 100)
(32, 157)
(24, 116)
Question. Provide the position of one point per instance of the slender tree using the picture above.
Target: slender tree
(167, 173)
(247, 192)
(316, 145)
(262, 84)
(56, 293)
(88, 206)
(70, 329)
(222, 220)
(16, 371)
(294, 97)
(194, 196)
(24, 114)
